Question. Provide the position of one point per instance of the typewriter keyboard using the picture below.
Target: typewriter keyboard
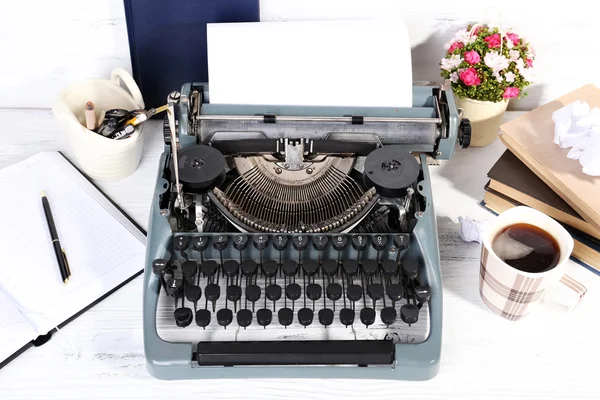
(270, 287)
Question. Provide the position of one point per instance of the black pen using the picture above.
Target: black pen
(61, 257)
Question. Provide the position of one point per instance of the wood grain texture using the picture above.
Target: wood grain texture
(101, 356)
(52, 44)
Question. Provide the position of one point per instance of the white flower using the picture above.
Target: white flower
(497, 76)
(509, 44)
(450, 63)
(514, 55)
(509, 76)
(495, 61)
(527, 73)
(454, 77)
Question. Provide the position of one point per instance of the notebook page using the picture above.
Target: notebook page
(15, 330)
(101, 252)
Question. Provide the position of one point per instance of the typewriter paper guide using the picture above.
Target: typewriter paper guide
(364, 63)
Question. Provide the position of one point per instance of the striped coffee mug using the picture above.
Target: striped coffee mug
(512, 293)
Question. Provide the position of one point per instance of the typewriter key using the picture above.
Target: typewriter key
(244, 318)
(180, 243)
(189, 268)
(224, 317)
(350, 267)
(253, 293)
(285, 316)
(269, 268)
(260, 242)
(320, 242)
(160, 266)
(209, 268)
(389, 267)
(310, 267)
(233, 293)
(273, 292)
(367, 316)
(203, 318)
(354, 292)
(369, 267)
(339, 242)
(174, 286)
(347, 316)
(183, 317)
(212, 292)
(293, 291)
(325, 316)
(330, 267)
(379, 242)
(388, 315)
(375, 291)
(199, 243)
(264, 316)
(394, 292)
(334, 291)
(193, 294)
(300, 242)
(220, 242)
(313, 291)
(231, 268)
(402, 241)
(280, 242)
(305, 316)
(423, 294)
(290, 267)
(240, 242)
(410, 268)
(409, 313)
(359, 242)
(249, 267)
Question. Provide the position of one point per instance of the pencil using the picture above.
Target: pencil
(90, 116)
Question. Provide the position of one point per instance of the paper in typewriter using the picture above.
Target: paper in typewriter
(103, 247)
(316, 63)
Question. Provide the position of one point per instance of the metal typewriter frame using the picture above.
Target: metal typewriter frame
(166, 360)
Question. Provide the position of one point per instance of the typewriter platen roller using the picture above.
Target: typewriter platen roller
(298, 241)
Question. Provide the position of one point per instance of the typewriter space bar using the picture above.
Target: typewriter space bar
(300, 352)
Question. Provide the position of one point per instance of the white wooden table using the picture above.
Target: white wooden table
(100, 355)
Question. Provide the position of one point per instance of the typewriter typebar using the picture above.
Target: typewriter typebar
(296, 241)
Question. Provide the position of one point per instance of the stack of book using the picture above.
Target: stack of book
(511, 183)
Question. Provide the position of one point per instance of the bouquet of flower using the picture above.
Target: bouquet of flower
(485, 63)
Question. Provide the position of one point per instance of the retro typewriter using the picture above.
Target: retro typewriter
(290, 241)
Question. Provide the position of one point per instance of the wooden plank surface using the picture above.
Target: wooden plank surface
(101, 354)
(530, 137)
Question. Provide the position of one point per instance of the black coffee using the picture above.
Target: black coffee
(527, 248)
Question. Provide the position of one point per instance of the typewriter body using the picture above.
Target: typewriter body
(289, 241)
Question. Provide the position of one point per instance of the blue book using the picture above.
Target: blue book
(167, 40)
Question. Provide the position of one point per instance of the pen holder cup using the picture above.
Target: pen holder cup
(101, 158)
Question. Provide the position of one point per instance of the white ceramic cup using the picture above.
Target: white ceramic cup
(512, 293)
(100, 157)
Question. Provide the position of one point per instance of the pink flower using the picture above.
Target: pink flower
(454, 46)
(529, 62)
(470, 78)
(510, 92)
(472, 57)
(476, 31)
(492, 40)
(513, 37)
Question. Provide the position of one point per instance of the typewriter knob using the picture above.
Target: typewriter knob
(423, 294)
(464, 133)
(201, 168)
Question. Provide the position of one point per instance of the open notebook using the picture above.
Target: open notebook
(104, 249)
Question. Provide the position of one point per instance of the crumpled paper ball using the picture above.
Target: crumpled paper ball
(578, 127)
(472, 230)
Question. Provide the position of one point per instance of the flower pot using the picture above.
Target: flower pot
(485, 117)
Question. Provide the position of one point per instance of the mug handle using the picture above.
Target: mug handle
(121, 74)
(567, 293)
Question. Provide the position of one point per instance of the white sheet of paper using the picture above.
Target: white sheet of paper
(322, 63)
